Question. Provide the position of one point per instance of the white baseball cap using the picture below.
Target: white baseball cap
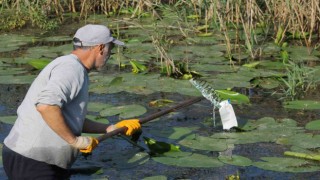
(93, 34)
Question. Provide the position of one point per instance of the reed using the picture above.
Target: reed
(295, 19)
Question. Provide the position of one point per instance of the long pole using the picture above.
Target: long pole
(152, 116)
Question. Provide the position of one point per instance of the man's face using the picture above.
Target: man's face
(104, 55)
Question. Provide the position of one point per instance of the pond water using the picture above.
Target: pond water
(115, 158)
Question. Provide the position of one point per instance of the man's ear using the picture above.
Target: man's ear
(101, 48)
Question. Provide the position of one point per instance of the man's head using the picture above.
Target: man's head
(97, 41)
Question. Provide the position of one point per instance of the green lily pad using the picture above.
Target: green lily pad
(273, 65)
(174, 132)
(160, 177)
(8, 119)
(308, 141)
(41, 52)
(26, 79)
(12, 71)
(235, 160)
(262, 130)
(14, 41)
(158, 147)
(267, 83)
(204, 143)
(97, 106)
(313, 125)
(126, 111)
(302, 104)
(39, 63)
(57, 38)
(193, 160)
(293, 165)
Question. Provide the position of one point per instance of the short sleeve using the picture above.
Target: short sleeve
(64, 83)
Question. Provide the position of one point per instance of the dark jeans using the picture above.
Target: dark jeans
(17, 166)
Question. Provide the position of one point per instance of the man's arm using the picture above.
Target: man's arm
(52, 115)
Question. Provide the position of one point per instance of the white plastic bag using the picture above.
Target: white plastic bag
(227, 115)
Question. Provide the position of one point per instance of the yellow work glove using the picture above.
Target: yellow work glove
(85, 144)
(132, 125)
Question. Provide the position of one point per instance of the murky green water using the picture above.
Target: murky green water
(116, 158)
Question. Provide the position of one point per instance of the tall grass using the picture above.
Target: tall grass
(299, 18)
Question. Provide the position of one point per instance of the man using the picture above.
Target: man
(46, 137)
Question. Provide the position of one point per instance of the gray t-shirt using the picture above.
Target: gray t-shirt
(64, 82)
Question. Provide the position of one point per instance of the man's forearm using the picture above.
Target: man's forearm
(53, 116)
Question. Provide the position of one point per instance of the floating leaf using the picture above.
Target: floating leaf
(286, 165)
(97, 119)
(235, 160)
(193, 160)
(116, 81)
(39, 63)
(174, 132)
(127, 111)
(8, 119)
(315, 157)
(307, 141)
(313, 125)
(302, 104)
(266, 83)
(12, 71)
(155, 178)
(205, 143)
(158, 147)
(97, 106)
(26, 79)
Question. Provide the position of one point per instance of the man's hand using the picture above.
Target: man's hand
(85, 144)
(132, 126)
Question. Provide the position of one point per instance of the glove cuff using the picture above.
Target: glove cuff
(81, 142)
(110, 128)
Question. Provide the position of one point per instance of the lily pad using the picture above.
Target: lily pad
(193, 160)
(313, 125)
(308, 141)
(26, 79)
(302, 104)
(124, 112)
(262, 130)
(267, 83)
(39, 63)
(12, 71)
(57, 38)
(235, 160)
(14, 41)
(174, 132)
(293, 165)
(160, 177)
(205, 143)
(97, 106)
(8, 119)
